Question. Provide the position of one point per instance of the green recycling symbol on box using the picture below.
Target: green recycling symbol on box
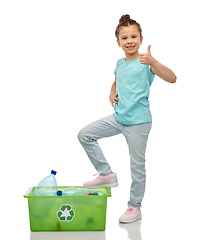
(66, 213)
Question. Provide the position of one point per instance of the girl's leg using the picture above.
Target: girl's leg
(137, 136)
(89, 135)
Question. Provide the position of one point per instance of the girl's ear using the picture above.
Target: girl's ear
(141, 39)
(118, 43)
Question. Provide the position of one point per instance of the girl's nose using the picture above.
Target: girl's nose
(130, 40)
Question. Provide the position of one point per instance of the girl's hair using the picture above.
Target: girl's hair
(125, 20)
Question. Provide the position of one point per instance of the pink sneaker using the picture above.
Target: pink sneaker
(109, 180)
(131, 215)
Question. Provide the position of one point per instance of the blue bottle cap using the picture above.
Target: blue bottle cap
(59, 193)
(53, 172)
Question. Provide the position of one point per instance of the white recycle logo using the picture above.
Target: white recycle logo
(66, 213)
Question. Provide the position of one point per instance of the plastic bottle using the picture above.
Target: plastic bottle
(73, 191)
(47, 186)
(100, 193)
(50, 193)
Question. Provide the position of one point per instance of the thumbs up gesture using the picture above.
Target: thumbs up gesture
(146, 58)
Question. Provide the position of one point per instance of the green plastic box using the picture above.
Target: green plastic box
(67, 213)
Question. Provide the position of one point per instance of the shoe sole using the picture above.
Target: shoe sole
(134, 220)
(112, 185)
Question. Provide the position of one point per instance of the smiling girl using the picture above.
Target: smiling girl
(129, 95)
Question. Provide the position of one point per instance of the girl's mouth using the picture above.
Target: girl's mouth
(130, 47)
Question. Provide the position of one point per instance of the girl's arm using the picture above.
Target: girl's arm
(163, 72)
(113, 95)
(157, 68)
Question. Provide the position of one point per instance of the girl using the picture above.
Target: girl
(129, 94)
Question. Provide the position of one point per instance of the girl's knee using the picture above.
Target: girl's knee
(82, 135)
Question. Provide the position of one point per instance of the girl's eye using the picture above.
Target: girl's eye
(134, 36)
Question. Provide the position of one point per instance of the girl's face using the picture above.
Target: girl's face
(129, 39)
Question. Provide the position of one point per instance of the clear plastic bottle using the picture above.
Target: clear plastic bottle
(47, 186)
(73, 191)
(50, 193)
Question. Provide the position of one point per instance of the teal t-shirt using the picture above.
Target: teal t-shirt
(133, 81)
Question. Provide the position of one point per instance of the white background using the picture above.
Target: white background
(57, 60)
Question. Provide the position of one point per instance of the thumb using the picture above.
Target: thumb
(148, 49)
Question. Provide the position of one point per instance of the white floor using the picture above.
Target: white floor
(122, 231)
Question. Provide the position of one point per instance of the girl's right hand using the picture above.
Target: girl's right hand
(113, 99)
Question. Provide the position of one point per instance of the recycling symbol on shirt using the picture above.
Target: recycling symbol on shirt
(66, 213)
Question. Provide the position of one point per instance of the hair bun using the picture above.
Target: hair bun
(123, 18)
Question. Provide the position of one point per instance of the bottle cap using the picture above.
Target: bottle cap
(59, 193)
(53, 172)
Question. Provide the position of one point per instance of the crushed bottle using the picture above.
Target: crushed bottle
(47, 186)
(74, 191)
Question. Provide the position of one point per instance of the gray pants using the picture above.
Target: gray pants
(136, 137)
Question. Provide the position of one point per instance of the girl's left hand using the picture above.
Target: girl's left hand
(146, 58)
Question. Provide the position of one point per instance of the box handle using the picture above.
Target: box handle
(28, 192)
